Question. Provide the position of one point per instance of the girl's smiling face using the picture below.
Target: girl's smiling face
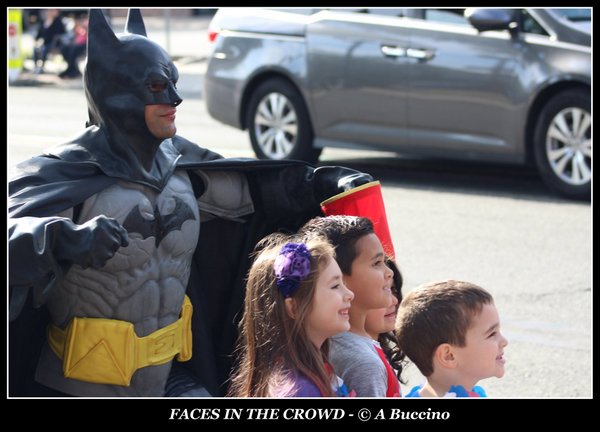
(329, 314)
(382, 320)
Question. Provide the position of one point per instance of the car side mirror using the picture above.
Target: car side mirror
(491, 19)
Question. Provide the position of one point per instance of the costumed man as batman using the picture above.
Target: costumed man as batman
(110, 231)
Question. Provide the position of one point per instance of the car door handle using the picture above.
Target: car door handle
(420, 53)
(393, 51)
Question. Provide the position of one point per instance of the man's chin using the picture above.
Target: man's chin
(166, 135)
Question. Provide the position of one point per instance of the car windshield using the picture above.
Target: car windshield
(575, 15)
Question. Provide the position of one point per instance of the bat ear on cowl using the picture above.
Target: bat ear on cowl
(101, 38)
(135, 23)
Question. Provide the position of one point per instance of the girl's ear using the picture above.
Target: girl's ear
(291, 307)
(445, 357)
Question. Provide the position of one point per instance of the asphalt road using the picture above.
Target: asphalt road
(493, 225)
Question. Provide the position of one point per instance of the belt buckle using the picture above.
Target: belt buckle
(165, 345)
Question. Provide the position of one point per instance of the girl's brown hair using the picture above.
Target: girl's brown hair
(271, 344)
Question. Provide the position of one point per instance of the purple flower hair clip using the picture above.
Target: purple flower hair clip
(292, 265)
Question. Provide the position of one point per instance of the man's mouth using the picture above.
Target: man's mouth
(170, 114)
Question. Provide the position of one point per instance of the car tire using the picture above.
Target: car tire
(562, 144)
(278, 123)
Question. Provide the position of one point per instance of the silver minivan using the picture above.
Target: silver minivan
(497, 85)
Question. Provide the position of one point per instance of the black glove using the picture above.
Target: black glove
(332, 180)
(42, 249)
(92, 243)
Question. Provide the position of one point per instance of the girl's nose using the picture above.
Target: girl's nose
(349, 295)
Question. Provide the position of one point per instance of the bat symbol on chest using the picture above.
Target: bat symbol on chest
(161, 225)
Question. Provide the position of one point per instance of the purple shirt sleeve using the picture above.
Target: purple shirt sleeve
(306, 388)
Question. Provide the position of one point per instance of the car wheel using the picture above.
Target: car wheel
(563, 144)
(278, 123)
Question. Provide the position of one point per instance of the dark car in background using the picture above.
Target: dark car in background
(495, 85)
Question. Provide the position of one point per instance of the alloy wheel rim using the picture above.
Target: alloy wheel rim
(276, 126)
(569, 146)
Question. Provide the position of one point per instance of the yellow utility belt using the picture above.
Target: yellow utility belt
(105, 351)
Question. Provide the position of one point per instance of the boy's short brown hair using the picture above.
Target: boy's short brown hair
(437, 313)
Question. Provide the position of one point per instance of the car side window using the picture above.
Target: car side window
(396, 12)
(449, 16)
(530, 25)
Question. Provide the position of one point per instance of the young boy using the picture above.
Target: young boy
(451, 332)
(354, 355)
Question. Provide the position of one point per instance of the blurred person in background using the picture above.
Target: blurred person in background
(48, 38)
(74, 50)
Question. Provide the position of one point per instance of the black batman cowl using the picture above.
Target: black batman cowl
(125, 72)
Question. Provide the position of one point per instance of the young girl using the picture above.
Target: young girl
(451, 332)
(380, 324)
(359, 252)
(295, 301)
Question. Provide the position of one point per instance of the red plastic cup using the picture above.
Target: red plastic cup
(365, 201)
